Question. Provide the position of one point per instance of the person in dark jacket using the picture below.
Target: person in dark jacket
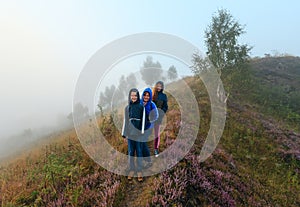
(161, 101)
(150, 118)
(133, 128)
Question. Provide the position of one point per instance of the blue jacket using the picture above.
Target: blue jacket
(149, 107)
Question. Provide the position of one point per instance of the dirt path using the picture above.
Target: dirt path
(137, 194)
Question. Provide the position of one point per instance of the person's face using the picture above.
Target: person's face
(146, 97)
(158, 87)
(133, 96)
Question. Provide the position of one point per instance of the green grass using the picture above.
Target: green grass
(255, 158)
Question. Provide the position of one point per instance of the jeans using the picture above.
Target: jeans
(134, 146)
(145, 148)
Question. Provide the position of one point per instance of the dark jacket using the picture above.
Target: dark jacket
(150, 107)
(133, 118)
(161, 103)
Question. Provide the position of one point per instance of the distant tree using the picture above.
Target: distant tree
(276, 53)
(70, 117)
(151, 71)
(80, 111)
(27, 133)
(221, 39)
(118, 97)
(105, 99)
(131, 82)
(125, 84)
(112, 96)
(102, 100)
(122, 86)
(200, 64)
(172, 73)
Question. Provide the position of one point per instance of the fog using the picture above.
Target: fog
(39, 102)
(44, 46)
(37, 83)
(33, 99)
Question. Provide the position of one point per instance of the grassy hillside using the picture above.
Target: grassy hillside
(257, 162)
(272, 85)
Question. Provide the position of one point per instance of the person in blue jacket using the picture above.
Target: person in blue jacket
(150, 117)
(161, 101)
(133, 128)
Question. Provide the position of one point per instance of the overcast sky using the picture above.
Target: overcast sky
(45, 44)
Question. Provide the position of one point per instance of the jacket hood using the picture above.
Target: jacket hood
(137, 93)
(150, 94)
(162, 85)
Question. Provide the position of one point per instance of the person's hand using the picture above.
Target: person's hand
(124, 138)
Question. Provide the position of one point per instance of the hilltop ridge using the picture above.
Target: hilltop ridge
(256, 163)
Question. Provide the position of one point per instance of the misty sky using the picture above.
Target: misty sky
(45, 44)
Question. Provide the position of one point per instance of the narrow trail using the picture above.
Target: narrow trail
(138, 194)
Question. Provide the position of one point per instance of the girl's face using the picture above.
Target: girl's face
(158, 87)
(146, 97)
(133, 96)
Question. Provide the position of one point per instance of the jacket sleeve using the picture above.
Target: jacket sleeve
(165, 105)
(125, 123)
(154, 114)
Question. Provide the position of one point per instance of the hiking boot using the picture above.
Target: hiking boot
(156, 153)
(130, 175)
(140, 176)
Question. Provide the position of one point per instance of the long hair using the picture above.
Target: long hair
(154, 90)
(154, 93)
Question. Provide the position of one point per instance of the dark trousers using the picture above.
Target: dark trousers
(145, 148)
(135, 147)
